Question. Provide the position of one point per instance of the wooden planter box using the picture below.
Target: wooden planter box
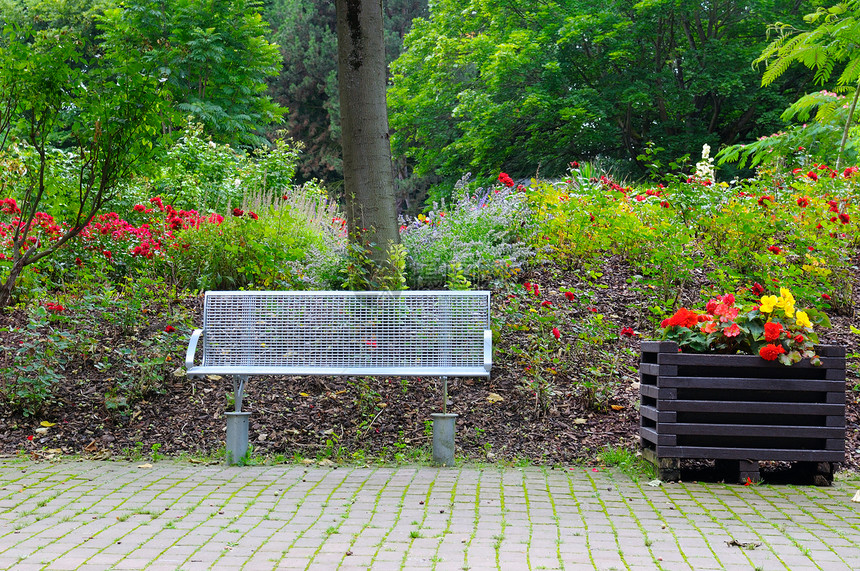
(741, 409)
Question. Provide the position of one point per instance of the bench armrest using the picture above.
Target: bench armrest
(192, 348)
(488, 349)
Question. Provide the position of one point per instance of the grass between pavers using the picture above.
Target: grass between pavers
(759, 502)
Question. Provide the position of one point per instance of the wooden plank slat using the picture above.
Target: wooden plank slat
(776, 454)
(835, 373)
(657, 393)
(752, 384)
(657, 370)
(802, 409)
(707, 429)
(740, 361)
(659, 439)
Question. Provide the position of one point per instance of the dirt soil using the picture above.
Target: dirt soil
(367, 419)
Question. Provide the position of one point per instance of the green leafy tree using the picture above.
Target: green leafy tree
(215, 59)
(515, 86)
(107, 108)
(832, 49)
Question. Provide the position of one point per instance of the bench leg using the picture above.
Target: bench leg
(237, 424)
(239, 390)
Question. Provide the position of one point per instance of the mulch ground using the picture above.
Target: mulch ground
(372, 418)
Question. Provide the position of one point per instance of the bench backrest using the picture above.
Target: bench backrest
(347, 333)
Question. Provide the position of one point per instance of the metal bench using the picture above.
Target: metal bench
(332, 333)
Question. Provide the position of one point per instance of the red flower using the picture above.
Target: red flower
(799, 339)
(238, 212)
(803, 202)
(169, 329)
(556, 333)
(771, 352)
(772, 331)
(825, 296)
(682, 318)
(546, 303)
(528, 287)
(813, 176)
(628, 331)
(108, 254)
(775, 249)
(844, 218)
(30, 438)
(763, 199)
(506, 180)
(757, 289)
(253, 215)
(732, 330)
(536, 290)
(79, 262)
(664, 204)
(570, 296)
(849, 171)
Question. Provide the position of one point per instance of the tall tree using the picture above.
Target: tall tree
(306, 31)
(367, 171)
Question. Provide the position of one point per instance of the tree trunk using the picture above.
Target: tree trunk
(367, 170)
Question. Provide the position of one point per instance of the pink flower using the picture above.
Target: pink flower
(732, 330)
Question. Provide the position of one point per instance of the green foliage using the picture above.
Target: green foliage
(198, 173)
(213, 57)
(104, 108)
(490, 86)
(245, 252)
(831, 44)
(37, 364)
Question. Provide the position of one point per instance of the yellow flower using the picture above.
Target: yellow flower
(786, 297)
(802, 320)
(767, 303)
(788, 310)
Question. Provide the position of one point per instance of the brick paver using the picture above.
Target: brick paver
(112, 515)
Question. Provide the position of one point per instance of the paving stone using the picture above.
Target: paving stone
(226, 518)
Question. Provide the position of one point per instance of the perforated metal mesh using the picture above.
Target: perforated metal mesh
(345, 330)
